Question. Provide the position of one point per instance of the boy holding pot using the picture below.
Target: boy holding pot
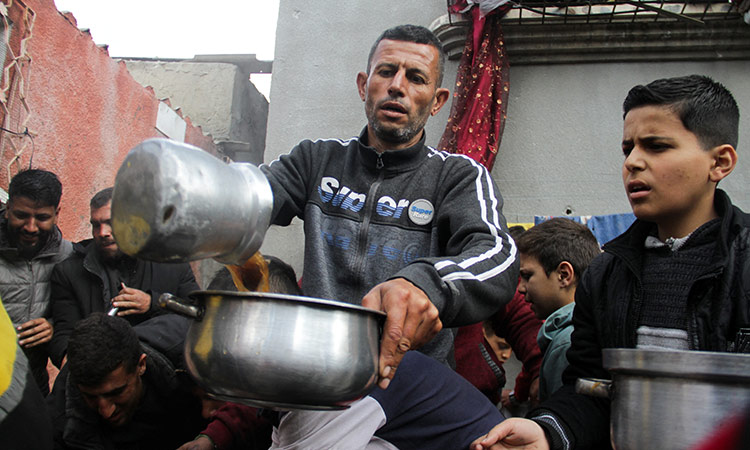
(676, 278)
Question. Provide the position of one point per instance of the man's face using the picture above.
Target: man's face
(400, 93)
(30, 225)
(666, 172)
(117, 397)
(541, 290)
(101, 229)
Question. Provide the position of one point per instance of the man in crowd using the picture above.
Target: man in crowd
(395, 225)
(99, 277)
(30, 245)
(118, 392)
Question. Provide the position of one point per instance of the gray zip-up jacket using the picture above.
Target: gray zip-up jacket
(430, 217)
(24, 284)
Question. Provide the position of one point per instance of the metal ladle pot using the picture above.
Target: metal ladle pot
(280, 351)
(173, 202)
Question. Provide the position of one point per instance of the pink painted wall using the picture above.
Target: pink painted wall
(87, 111)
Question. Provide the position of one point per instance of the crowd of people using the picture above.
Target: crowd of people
(396, 226)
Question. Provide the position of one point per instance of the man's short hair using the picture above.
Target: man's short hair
(705, 107)
(40, 186)
(412, 33)
(98, 345)
(101, 198)
(557, 240)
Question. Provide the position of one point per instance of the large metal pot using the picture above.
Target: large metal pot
(280, 351)
(670, 399)
(173, 202)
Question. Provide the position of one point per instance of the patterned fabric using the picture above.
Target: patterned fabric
(477, 119)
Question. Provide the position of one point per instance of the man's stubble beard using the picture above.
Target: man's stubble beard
(394, 134)
(28, 251)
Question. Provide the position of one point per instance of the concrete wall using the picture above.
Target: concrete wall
(561, 146)
(186, 84)
(85, 111)
(216, 95)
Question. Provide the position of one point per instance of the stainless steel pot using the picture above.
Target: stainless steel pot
(173, 202)
(280, 351)
(670, 399)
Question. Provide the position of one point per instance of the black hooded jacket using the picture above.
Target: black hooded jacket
(608, 301)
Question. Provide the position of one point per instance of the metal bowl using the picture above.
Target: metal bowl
(280, 351)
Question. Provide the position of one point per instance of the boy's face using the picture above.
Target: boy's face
(541, 290)
(666, 171)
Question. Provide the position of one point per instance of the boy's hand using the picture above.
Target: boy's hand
(513, 433)
(412, 320)
(34, 332)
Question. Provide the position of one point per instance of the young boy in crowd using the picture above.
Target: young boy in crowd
(676, 278)
(554, 255)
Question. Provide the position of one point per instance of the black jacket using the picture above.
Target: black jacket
(167, 416)
(608, 308)
(80, 287)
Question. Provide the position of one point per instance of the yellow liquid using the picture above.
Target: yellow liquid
(252, 275)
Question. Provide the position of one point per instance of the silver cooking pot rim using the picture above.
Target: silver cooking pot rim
(279, 350)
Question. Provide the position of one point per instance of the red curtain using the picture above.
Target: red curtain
(477, 118)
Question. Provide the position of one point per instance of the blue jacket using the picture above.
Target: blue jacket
(554, 340)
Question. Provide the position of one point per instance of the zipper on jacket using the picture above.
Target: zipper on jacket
(32, 290)
(696, 341)
(363, 231)
(379, 163)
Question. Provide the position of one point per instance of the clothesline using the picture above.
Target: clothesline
(604, 227)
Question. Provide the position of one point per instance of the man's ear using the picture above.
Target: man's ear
(441, 97)
(362, 85)
(141, 367)
(565, 274)
(725, 158)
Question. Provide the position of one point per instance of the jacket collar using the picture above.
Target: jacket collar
(392, 160)
(629, 245)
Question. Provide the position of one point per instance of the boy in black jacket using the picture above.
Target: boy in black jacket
(674, 280)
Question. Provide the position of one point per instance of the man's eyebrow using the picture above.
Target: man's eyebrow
(110, 393)
(385, 64)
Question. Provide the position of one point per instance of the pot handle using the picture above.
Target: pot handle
(177, 305)
(594, 387)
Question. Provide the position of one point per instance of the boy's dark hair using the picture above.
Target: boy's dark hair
(705, 107)
(281, 278)
(411, 33)
(101, 198)
(557, 240)
(516, 231)
(40, 186)
(98, 345)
